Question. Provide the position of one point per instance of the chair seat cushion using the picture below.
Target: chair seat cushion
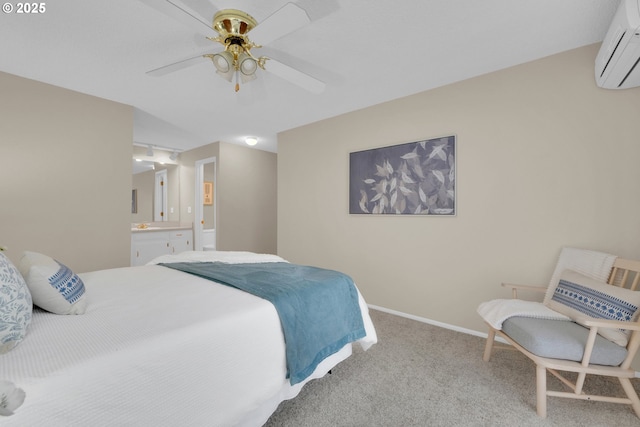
(561, 339)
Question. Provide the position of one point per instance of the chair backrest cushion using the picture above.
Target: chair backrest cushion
(590, 263)
(576, 295)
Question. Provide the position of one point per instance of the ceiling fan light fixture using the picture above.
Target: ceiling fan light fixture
(237, 64)
(247, 64)
(228, 76)
(251, 140)
(223, 61)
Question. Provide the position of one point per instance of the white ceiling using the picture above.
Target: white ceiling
(366, 51)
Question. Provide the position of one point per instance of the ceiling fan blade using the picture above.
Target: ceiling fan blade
(294, 76)
(179, 65)
(285, 20)
(181, 13)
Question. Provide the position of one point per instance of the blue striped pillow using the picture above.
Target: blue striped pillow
(577, 296)
(54, 287)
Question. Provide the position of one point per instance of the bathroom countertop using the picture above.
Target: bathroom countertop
(163, 228)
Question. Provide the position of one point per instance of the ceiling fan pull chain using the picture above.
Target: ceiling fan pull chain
(237, 80)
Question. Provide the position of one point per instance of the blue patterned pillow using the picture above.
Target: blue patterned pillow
(579, 296)
(15, 305)
(54, 287)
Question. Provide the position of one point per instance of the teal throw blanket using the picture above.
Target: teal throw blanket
(318, 308)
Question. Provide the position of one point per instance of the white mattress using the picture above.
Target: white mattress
(157, 347)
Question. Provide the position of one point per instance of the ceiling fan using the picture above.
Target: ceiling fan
(236, 63)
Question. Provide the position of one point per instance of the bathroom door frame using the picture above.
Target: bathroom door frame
(199, 201)
(160, 196)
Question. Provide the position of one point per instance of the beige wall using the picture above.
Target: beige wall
(247, 202)
(545, 159)
(245, 195)
(65, 169)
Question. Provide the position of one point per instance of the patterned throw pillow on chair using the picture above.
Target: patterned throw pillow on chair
(576, 295)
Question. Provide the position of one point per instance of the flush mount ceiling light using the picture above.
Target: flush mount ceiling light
(251, 140)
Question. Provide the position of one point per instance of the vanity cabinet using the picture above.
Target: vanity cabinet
(148, 244)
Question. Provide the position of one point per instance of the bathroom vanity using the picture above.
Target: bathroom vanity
(151, 240)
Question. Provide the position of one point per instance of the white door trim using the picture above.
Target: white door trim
(199, 200)
(160, 196)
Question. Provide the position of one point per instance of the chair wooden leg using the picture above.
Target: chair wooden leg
(631, 394)
(541, 391)
(580, 382)
(489, 345)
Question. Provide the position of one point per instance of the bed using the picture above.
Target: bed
(159, 347)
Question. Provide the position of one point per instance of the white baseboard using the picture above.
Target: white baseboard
(444, 325)
(435, 323)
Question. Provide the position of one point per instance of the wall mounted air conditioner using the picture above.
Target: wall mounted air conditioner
(617, 63)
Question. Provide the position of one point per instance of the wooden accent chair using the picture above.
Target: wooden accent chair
(584, 331)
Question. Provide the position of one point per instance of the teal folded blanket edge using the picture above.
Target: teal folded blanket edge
(318, 308)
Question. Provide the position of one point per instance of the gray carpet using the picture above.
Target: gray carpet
(423, 375)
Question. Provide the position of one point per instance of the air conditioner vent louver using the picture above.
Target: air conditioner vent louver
(617, 61)
(632, 70)
(612, 54)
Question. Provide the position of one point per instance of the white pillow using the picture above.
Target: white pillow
(15, 305)
(54, 287)
(576, 295)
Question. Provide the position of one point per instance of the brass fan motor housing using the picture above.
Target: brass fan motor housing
(232, 22)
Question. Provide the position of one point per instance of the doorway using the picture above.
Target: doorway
(206, 205)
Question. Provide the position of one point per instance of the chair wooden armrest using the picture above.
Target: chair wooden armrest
(595, 324)
(515, 288)
(610, 324)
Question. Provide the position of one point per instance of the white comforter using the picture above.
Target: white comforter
(157, 347)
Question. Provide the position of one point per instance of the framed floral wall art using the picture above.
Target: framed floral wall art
(208, 193)
(415, 178)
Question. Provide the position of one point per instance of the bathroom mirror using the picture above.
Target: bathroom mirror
(157, 192)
